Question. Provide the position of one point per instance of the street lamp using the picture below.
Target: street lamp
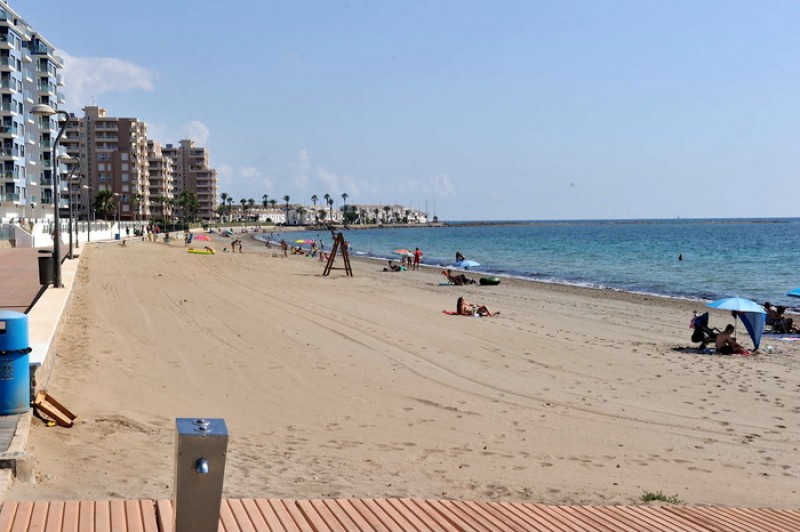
(88, 217)
(45, 110)
(74, 161)
(119, 207)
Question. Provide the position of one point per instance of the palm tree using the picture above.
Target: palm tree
(321, 215)
(376, 211)
(314, 199)
(250, 204)
(286, 199)
(386, 210)
(300, 212)
(330, 207)
(104, 203)
(244, 208)
(189, 204)
(273, 202)
(265, 200)
(327, 201)
(344, 203)
(137, 201)
(224, 196)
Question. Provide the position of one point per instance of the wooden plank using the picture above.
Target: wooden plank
(366, 513)
(555, 515)
(227, 521)
(415, 515)
(493, 515)
(102, 516)
(53, 409)
(345, 515)
(666, 520)
(55, 517)
(297, 516)
(312, 516)
(165, 515)
(393, 515)
(331, 522)
(86, 516)
(278, 516)
(22, 518)
(149, 516)
(71, 516)
(442, 508)
(255, 516)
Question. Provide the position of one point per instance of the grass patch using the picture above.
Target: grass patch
(648, 496)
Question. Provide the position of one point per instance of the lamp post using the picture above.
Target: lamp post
(119, 207)
(74, 161)
(88, 216)
(45, 110)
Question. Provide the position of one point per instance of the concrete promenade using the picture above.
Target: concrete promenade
(19, 289)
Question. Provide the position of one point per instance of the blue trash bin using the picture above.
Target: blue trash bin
(15, 369)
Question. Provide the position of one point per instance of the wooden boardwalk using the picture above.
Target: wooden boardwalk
(19, 278)
(361, 515)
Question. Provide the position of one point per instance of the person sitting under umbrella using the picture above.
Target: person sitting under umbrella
(726, 345)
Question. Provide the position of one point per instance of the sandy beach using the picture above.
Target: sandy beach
(362, 387)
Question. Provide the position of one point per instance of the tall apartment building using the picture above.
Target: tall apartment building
(192, 174)
(113, 155)
(28, 76)
(162, 182)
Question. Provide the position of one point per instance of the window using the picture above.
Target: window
(124, 165)
(124, 156)
(125, 178)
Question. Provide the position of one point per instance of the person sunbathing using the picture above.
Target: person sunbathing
(459, 279)
(393, 267)
(465, 308)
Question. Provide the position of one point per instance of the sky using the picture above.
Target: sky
(491, 110)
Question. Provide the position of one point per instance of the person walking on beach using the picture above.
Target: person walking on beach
(285, 248)
(417, 258)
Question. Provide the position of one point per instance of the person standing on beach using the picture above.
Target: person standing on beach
(285, 247)
(417, 258)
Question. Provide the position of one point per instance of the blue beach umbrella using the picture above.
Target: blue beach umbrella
(751, 313)
(795, 292)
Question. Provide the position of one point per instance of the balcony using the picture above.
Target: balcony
(8, 130)
(9, 197)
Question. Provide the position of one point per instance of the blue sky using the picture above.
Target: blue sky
(487, 110)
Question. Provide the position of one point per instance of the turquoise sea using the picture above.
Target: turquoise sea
(752, 258)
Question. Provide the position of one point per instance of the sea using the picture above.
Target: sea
(698, 259)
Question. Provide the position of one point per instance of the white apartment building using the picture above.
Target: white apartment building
(28, 76)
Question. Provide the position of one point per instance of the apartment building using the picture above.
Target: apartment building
(113, 155)
(162, 182)
(29, 75)
(192, 173)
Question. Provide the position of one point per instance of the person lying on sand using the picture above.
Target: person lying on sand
(459, 279)
(465, 308)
